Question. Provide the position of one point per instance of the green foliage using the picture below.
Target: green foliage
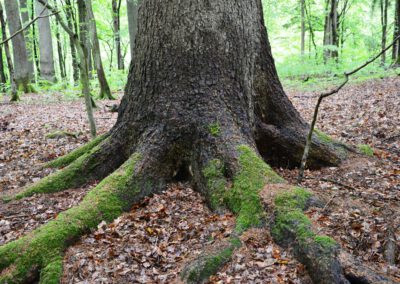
(366, 150)
(322, 136)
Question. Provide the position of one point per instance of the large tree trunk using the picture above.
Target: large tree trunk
(48, 72)
(202, 104)
(29, 46)
(22, 73)
(132, 12)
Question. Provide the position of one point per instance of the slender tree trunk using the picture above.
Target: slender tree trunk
(34, 40)
(84, 33)
(384, 22)
(396, 33)
(116, 7)
(72, 25)
(22, 71)
(303, 26)
(132, 12)
(61, 58)
(48, 72)
(311, 30)
(14, 91)
(3, 78)
(105, 91)
(23, 4)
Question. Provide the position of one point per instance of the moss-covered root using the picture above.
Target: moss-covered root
(75, 154)
(79, 172)
(242, 198)
(293, 228)
(208, 264)
(41, 250)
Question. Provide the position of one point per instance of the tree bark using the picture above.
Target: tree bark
(105, 91)
(116, 7)
(84, 34)
(132, 12)
(202, 104)
(3, 78)
(23, 4)
(48, 72)
(22, 74)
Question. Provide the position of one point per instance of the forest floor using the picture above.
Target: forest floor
(151, 243)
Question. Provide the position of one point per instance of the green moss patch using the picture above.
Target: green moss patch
(75, 154)
(323, 137)
(43, 246)
(366, 150)
(291, 224)
(210, 264)
(214, 129)
(243, 197)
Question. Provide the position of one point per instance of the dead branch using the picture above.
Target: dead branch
(328, 94)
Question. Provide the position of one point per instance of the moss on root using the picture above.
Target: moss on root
(208, 265)
(323, 137)
(291, 224)
(365, 150)
(243, 197)
(52, 273)
(75, 154)
(44, 247)
(71, 176)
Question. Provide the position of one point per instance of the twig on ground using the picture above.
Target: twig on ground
(328, 94)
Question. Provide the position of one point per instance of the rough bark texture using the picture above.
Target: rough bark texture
(132, 11)
(48, 72)
(22, 74)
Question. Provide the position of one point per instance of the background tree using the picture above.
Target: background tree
(22, 73)
(116, 8)
(396, 33)
(28, 35)
(331, 43)
(105, 91)
(48, 72)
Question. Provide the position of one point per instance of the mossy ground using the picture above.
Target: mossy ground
(366, 150)
(323, 137)
(44, 247)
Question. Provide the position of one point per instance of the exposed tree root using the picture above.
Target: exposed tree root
(67, 159)
(42, 250)
(238, 187)
(87, 163)
(289, 143)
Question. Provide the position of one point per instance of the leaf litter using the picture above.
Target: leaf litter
(151, 243)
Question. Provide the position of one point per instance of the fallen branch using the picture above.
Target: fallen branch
(328, 94)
